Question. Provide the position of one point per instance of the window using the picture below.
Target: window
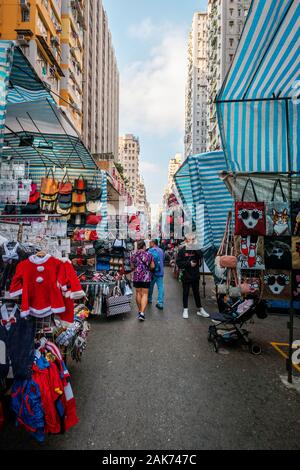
(26, 14)
(231, 42)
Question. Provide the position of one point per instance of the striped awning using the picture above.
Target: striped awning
(6, 60)
(198, 184)
(258, 110)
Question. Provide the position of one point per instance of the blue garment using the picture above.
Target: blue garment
(159, 281)
(17, 347)
(26, 402)
(157, 252)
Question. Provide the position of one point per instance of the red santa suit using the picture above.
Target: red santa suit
(72, 290)
(40, 281)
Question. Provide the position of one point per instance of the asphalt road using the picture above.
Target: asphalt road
(159, 385)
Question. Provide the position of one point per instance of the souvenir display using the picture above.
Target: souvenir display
(250, 217)
(250, 252)
(277, 284)
(278, 214)
(296, 252)
(278, 252)
(296, 218)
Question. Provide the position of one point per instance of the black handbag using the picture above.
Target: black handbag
(94, 194)
(33, 208)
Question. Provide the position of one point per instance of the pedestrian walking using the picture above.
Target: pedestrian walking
(142, 264)
(189, 262)
(157, 275)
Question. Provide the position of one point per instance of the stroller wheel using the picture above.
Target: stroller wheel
(255, 349)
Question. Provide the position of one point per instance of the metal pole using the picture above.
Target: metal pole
(290, 324)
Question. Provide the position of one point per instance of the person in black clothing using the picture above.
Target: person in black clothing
(189, 262)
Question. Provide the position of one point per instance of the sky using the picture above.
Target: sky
(150, 39)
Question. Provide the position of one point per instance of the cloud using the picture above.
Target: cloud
(153, 90)
(144, 30)
(149, 167)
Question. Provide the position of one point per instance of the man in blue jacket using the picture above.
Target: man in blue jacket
(158, 274)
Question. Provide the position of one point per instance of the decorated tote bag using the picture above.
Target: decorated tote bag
(278, 253)
(296, 252)
(278, 214)
(250, 216)
(250, 252)
(296, 285)
(277, 284)
(296, 218)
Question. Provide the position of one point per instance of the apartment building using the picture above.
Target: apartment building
(196, 88)
(71, 89)
(36, 25)
(101, 84)
(129, 157)
(225, 24)
(174, 165)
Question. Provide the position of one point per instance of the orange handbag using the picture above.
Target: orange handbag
(78, 198)
(65, 187)
(49, 185)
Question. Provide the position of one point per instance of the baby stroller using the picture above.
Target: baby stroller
(228, 326)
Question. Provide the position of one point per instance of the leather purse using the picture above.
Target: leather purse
(78, 198)
(93, 219)
(49, 185)
(94, 194)
(65, 187)
(228, 261)
(80, 184)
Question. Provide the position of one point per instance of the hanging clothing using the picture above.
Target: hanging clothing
(16, 343)
(10, 255)
(40, 281)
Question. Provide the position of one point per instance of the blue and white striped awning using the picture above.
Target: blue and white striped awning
(258, 110)
(6, 60)
(198, 183)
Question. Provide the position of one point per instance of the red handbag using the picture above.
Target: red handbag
(93, 219)
(65, 187)
(250, 217)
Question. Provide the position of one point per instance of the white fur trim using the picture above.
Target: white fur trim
(16, 293)
(77, 295)
(37, 260)
(24, 314)
(59, 310)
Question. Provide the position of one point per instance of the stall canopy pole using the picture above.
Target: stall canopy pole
(290, 324)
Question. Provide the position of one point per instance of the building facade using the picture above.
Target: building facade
(71, 89)
(225, 22)
(101, 84)
(36, 25)
(174, 165)
(129, 157)
(196, 88)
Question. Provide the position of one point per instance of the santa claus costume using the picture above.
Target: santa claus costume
(41, 281)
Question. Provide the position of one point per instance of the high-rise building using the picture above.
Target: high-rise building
(36, 26)
(101, 84)
(71, 89)
(196, 88)
(225, 24)
(129, 157)
(174, 165)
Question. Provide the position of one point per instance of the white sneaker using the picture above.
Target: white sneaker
(203, 313)
(185, 313)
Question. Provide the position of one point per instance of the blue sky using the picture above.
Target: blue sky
(150, 38)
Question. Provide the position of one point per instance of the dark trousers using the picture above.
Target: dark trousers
(196, 291)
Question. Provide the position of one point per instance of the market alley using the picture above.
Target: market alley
(160, 385)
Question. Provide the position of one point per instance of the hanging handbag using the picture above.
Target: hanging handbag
(296, 252)
(93, 219)
(78, 198)
(118, 304)
(296, 218)
(80, 183)
(277, 284)
(278, 214)
(94, 206)
(278, 252)
(251, 285)
(223, 249)
(235, 290)
(250, 217)
(49, 185)
(65, 186)
(250, 252)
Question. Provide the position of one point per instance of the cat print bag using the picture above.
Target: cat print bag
(250, 217)
(278, 214)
